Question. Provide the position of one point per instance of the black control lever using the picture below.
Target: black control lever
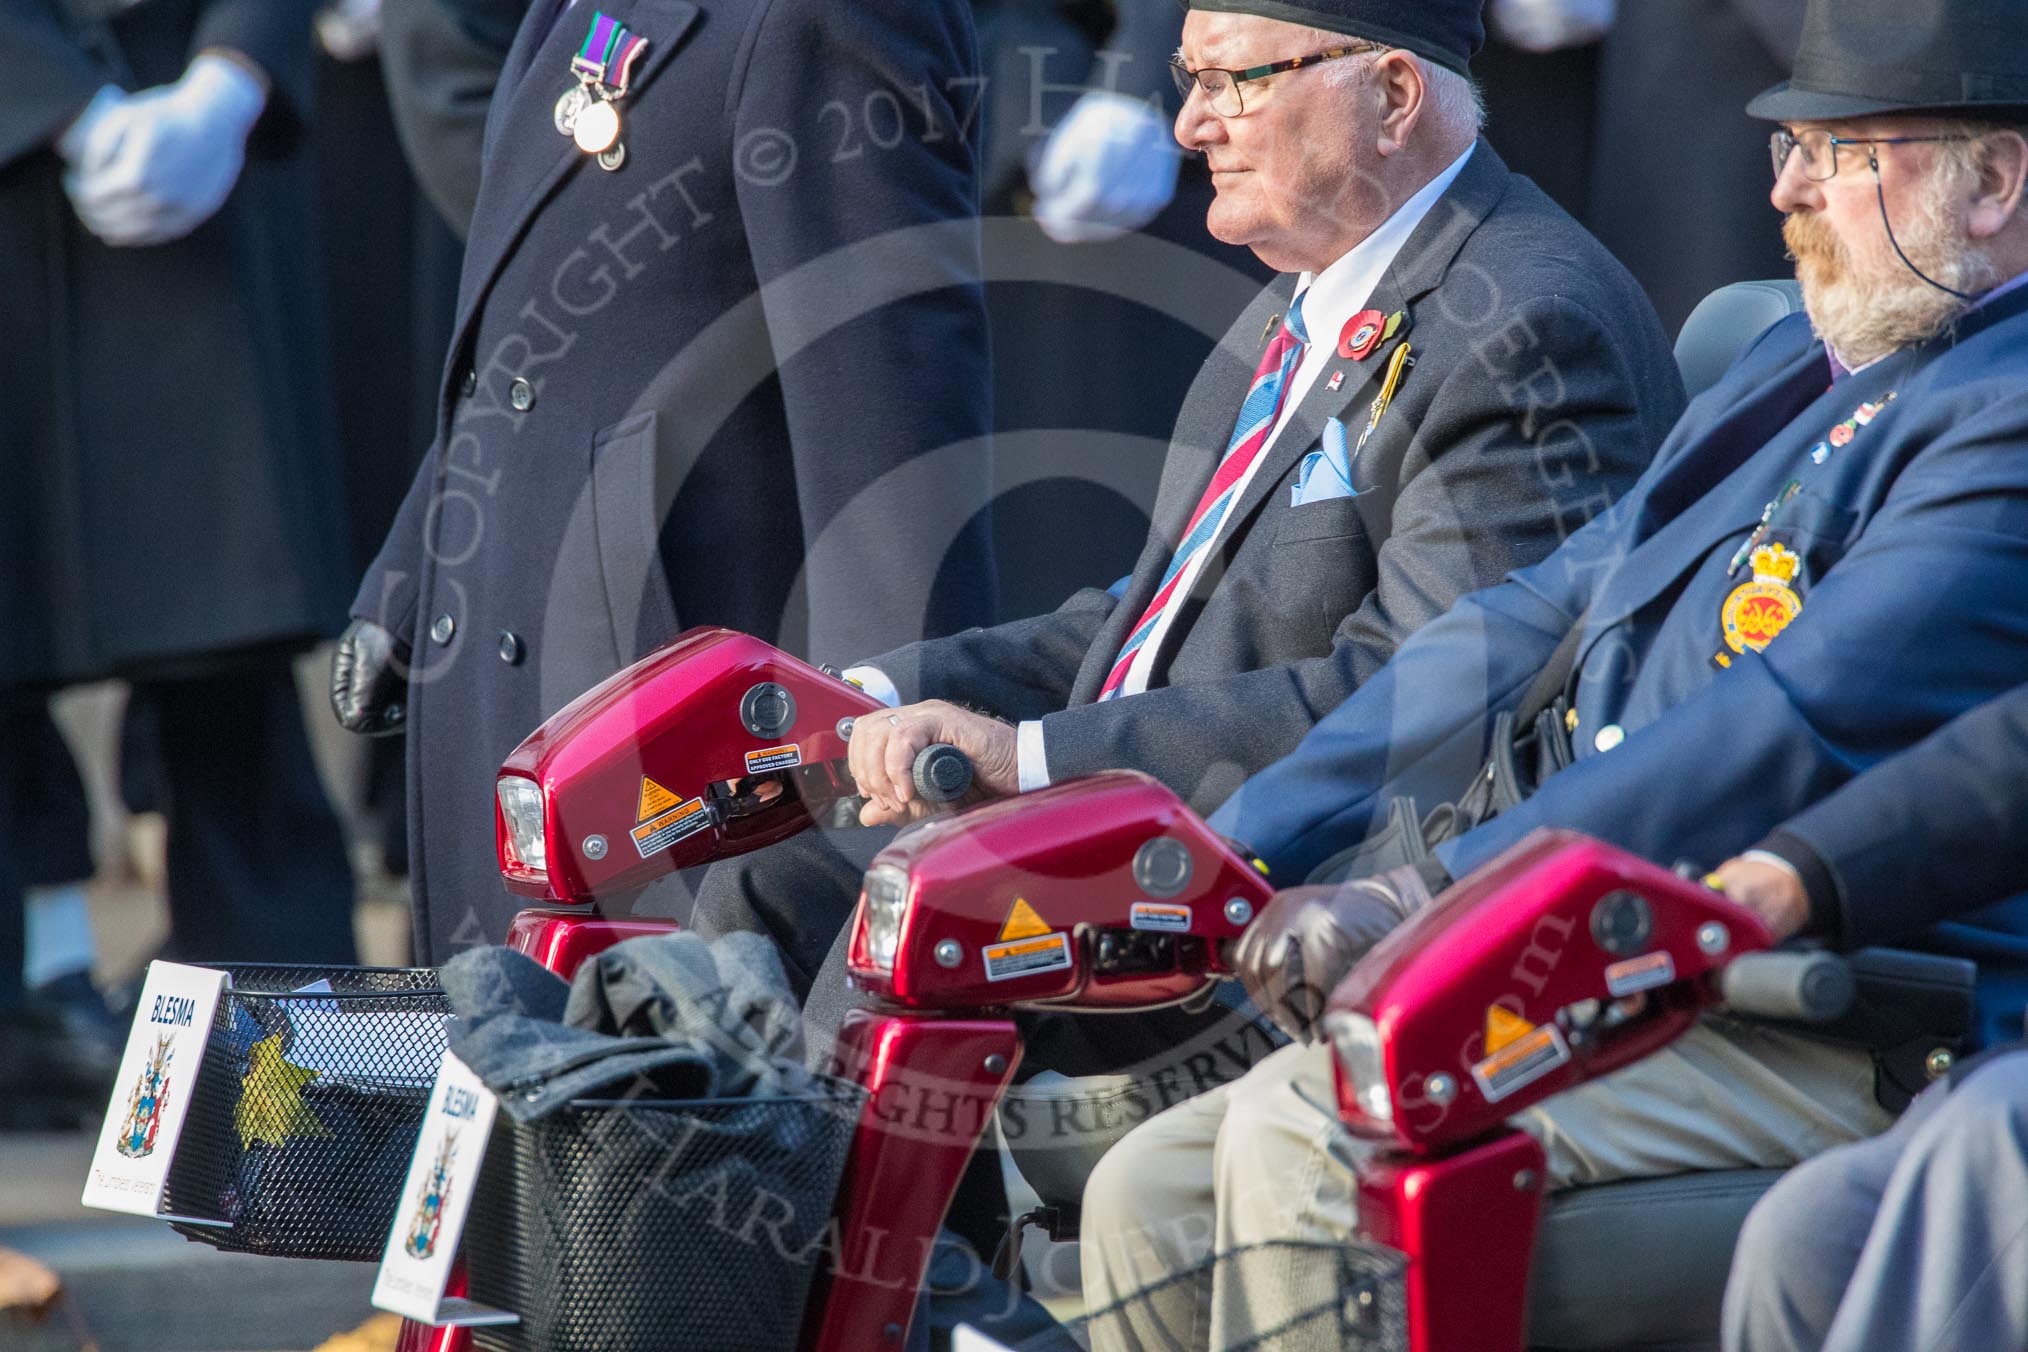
(1802, 987)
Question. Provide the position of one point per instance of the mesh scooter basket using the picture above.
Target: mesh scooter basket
(658, 1224)
(1290, 1297)
(306, 1109)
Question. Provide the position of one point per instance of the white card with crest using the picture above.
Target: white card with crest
(429, 1219)
(158, 1076)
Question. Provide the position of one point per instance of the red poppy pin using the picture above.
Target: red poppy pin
(1361, 334)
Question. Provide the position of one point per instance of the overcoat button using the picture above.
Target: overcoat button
(1609, 736)
(521, 395)
(511, 648)
(443, 628)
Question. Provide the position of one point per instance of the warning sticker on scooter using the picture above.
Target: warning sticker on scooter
(1521, 1062)
(1163, 919)
(774, 758)
(1640, 974)
(1026, 957)
(658, 833)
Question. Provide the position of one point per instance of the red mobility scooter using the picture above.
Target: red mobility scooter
(719, 744)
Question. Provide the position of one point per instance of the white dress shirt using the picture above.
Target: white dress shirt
(1330, 298)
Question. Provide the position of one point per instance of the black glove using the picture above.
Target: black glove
(369, 680)
(1308, 939)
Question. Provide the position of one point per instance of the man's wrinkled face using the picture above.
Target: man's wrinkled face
(1862, 299)
(1288, 171)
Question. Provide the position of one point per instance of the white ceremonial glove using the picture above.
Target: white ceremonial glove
(90, 139)
(349, 30)
(163, 161)
(1108, 169)
(1551, 25)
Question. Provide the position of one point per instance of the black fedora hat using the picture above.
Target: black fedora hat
(1962, 58)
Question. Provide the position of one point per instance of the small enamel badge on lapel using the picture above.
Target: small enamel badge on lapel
(1336, 382)
(1843, 434)
(1362, 333)
(1274, 322)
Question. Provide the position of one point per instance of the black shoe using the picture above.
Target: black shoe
(84, 1011)
(53, 1076)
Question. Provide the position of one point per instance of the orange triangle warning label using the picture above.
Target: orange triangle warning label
(1022, 922)
(654, 799)
(1504, 1026)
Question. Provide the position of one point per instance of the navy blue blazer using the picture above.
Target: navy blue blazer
(1909, 537)
(1934, 840)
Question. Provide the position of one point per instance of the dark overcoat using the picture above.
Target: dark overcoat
(757, 340)
(173, 490)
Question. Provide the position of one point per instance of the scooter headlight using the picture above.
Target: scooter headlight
(1357, 1042)
(886, 902)
(521, 811)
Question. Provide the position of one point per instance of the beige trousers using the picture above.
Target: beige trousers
(1265, 1160)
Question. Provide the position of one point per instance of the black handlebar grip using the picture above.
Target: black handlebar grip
(1801, 987)
(943, 774)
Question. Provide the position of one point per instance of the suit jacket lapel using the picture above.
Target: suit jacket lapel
(1203, 428)
(1716, 489)
(526, 159)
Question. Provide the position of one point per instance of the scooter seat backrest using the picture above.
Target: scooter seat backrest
(1640, 1264)
(1724, 322)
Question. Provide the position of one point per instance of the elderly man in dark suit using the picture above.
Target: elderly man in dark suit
(1450, 380)
(1823, 564)
(720, 358)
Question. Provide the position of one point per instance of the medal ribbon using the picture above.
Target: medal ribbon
(621, 69)
(595, 57)
(608, 55)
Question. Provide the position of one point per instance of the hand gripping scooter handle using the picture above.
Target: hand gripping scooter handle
(1801, 987)
(942, 773)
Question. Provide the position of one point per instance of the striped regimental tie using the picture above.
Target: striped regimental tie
(1257, 417)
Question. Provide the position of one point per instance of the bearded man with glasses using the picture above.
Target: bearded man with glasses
(1824, 564)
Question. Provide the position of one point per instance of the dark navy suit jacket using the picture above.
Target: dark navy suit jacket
(1936, 836)
(1913, 558)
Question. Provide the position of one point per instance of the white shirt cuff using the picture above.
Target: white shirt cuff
(875, 683)
(1769, 857)
(1031, 766)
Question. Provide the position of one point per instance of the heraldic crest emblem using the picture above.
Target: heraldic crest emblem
(145, 1104)
(1759, 610)
(429, 1202)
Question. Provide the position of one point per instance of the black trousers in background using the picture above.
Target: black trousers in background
(45, 823)
(257, 864)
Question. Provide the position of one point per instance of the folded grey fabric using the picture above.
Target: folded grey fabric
(665, 1017)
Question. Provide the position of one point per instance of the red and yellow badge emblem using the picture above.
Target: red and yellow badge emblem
(1759, 610)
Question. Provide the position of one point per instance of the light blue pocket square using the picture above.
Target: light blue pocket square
(1326, 473)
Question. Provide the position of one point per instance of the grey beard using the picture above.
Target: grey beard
(1864, 317)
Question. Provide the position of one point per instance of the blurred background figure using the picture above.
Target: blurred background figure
(1105, 292)
(442, 59)
(390, 260)
(59, 1046)
(1539, 76)
(1674, 64)
(175, 513)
